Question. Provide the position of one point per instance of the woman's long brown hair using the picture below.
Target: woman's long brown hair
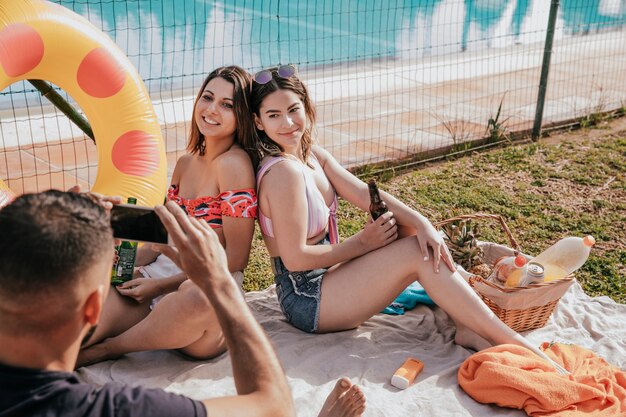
(259, 144)
(242, 83)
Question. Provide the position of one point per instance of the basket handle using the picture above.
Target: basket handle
(497, 217)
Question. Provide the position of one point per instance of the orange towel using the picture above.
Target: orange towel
(513, 376)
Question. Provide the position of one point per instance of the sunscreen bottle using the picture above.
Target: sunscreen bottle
(406, 374)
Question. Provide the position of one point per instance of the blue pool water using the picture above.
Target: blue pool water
(173, 43)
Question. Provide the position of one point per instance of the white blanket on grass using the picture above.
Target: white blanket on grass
(369, 356)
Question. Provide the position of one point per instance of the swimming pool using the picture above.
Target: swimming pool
(174, 43)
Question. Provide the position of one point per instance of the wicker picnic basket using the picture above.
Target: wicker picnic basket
(520, 308)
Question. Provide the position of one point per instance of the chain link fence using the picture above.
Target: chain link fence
(395, 80)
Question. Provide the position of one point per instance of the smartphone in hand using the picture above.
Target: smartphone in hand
(137, 223)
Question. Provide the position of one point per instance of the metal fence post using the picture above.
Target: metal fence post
(545, 67)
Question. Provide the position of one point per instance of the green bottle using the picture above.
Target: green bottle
(126, 251)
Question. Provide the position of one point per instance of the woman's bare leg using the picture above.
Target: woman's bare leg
(381, 275)
(465, 337)
(118, 315)
(183, 320)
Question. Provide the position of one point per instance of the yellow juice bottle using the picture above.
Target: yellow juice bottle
(514, 278)
(565, 256)
(553, 272)
(509, 270)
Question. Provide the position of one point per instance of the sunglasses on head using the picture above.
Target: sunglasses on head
(283, 71)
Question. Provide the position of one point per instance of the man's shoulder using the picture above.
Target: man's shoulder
(37, 393)
(140, 401)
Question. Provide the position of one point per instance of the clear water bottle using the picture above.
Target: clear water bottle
(508, 270)
(565, 257)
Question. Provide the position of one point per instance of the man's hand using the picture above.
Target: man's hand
(107, 202)
(104, 200)
(198, 251)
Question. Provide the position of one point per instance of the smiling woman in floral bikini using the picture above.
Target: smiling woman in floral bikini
(160, 308)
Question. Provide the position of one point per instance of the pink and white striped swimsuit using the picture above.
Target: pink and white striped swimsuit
(319, 215)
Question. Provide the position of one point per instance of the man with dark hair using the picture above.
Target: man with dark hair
(56, 254)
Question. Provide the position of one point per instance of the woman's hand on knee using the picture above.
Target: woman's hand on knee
(428, 237)
(380, 232)
(141, 289)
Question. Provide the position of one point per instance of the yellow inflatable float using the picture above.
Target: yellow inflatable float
(45, 41)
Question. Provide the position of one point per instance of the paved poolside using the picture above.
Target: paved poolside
(373, 111)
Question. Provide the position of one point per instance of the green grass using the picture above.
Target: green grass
(573, 187)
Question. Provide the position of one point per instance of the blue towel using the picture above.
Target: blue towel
(408, 299)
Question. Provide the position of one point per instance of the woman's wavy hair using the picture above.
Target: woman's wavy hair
(259, 144)
(242, 83)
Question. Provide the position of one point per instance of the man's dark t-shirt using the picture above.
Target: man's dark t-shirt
(31, 392)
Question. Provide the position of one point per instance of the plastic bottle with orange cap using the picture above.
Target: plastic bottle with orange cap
(565, 256)
(556, 262)
(508, 269)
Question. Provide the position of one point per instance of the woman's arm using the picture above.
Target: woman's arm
(238, 233)
(145, 255)
(144, 289)
(284, 196)
(235, 172)
(355, 191)
(181, 166)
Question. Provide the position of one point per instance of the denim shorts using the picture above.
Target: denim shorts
(299, 293)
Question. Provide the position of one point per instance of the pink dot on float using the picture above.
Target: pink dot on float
(136, 153)
(100, 75)
(21, 49)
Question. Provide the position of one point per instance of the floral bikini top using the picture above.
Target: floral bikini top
(235, 203)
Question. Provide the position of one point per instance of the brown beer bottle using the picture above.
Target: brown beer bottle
(377, 206)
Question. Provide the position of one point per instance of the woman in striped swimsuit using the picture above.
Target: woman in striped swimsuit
(213, 182)
(324, 285)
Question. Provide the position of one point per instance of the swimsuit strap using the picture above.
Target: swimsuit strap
(333, 232)
(332, 210)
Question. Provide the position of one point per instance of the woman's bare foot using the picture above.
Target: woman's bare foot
(469, 339)
(95, 353)
(345, 400)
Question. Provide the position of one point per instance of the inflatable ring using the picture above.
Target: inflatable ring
(45, 41)
(6, 195)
